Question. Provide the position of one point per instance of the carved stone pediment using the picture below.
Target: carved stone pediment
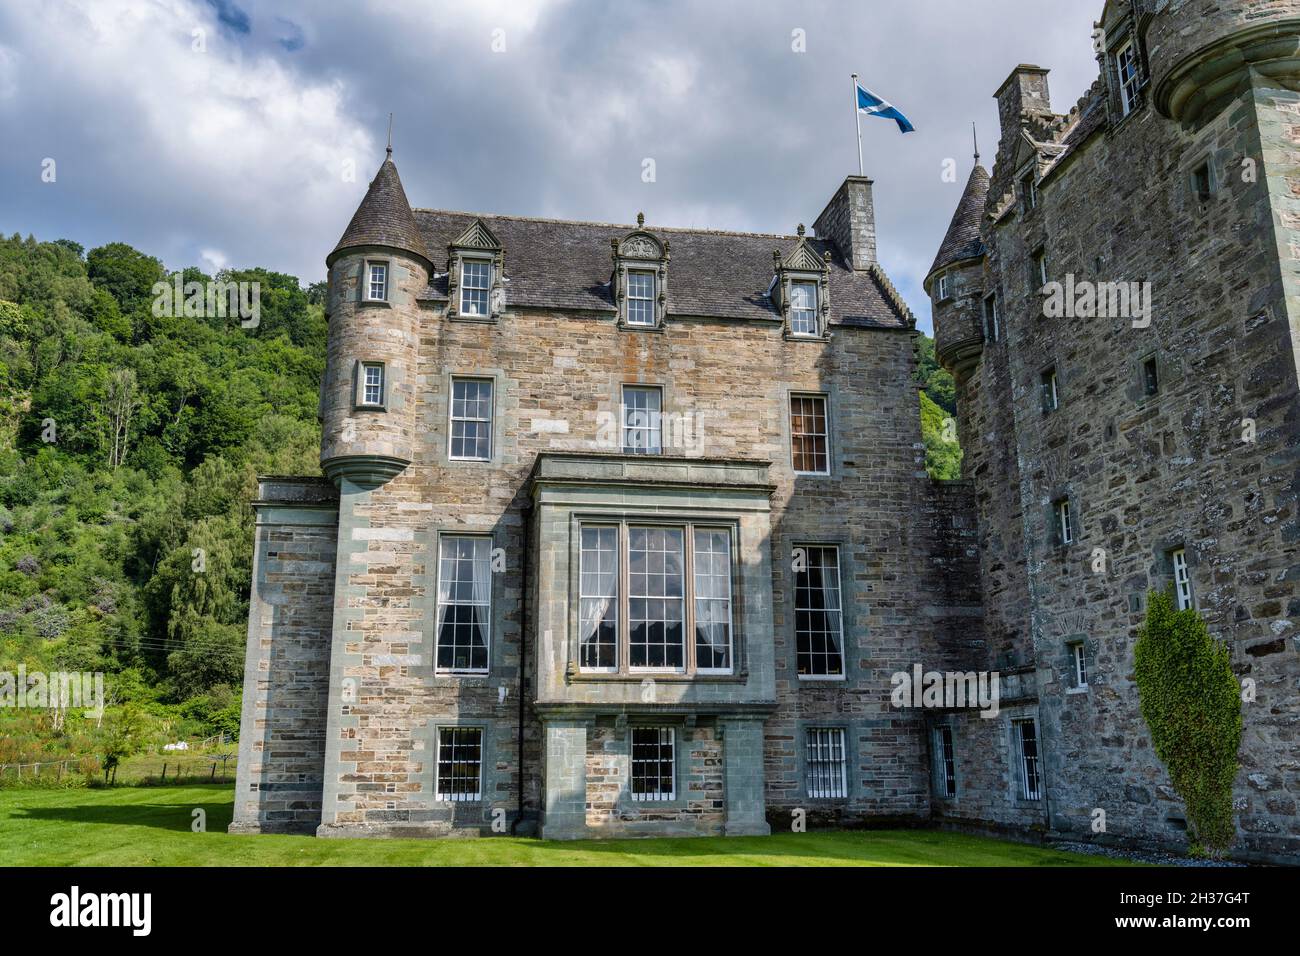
(477, 242)
(640, 250)
(802, 264)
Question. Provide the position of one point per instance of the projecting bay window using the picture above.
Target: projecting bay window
(803, 309)
(809, 435)
(475, 283)
(826, 764)
(654, 759)
(818, 615)
(1025, 735)
(471, 419)
(464, 604)
(460, 764)
(645, 589)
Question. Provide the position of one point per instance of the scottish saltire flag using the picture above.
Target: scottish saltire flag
(873, 105)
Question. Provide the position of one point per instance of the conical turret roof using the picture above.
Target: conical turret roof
(962, 240)
(384, 217)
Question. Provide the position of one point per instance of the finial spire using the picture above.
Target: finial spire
(974, 135)
(390, 135)
(640, 219)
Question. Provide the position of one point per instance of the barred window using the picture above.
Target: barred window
(377, 281)
(817, 612)
(1026, 735)
(471, 419)
(464, 603)
(640, 298)
(945, 766)
(642, 420)
(809, 438)
(653, 760)
(803, 308)
(460, 764)
(712, 600)
(598, 598)
(656, 599)
(826, 764)
(475, 280)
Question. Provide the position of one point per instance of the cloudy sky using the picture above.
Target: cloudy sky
(221, 132)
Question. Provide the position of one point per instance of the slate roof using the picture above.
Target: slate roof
(384, 217)
(962, 241)
(559, 264)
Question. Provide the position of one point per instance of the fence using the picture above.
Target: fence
(141, 768)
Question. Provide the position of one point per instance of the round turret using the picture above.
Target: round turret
(1202, 50)
(955, 282)
(368, 397)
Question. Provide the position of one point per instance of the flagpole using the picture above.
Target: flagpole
(857, 122)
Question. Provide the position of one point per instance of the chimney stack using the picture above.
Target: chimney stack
(849, 221)
(1025, 91)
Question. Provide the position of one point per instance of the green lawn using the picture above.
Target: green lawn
(151, 826)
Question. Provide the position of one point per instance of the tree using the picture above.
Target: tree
(938, 431)
(120, 405)
(1190, 701)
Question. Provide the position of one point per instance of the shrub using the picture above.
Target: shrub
(1190, 701)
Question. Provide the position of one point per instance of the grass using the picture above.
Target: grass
(151, 826)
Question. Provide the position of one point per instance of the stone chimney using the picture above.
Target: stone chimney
(849, 221)
(1025, 91)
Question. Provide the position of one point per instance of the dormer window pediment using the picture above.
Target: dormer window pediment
(801, 289)
(640, 279)
(475, 275)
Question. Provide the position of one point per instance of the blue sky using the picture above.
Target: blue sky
(221, 132)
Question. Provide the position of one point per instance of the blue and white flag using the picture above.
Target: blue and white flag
(873, 105)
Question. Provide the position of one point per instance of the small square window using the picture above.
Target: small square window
(1051, 391)
(460, 764)
(826, 763)
(377, 282)
(803, 309)
(640, 298)
(1182, 579)
(1078, 664)
(475, 281)
(372, 384)
(1064, 520)
(654, 759)
(1150, 377)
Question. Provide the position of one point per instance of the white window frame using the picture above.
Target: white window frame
(649, 300)
(583, 570)
(466, 288)
(825, 765)
(1126, 55)
(371, 266)
(1184, 597)
(1079, 665)
(943, 287)
(453, 418)
(364, 385)
(825, 401)
(1051, 393)
(439, 604)
(453, 730)
(653, 430)
(668, 736)
(1064, 522)
(688, 530)
(838, 634)
(945, 761)
(1028, 792)
(811, 312)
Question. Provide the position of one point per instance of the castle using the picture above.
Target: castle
(625, 528)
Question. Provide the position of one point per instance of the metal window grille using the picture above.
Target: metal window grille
(945, 766)
(1027, 745)
(653, 759)
(460, 763)
(826, 764)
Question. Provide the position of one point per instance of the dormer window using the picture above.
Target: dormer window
(799, 289)
(640, 297)
(1126, 69)
(377, 282)
(475, 284)
(640, 280)
(803, 308)
(476, 275)
(1029, 191)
